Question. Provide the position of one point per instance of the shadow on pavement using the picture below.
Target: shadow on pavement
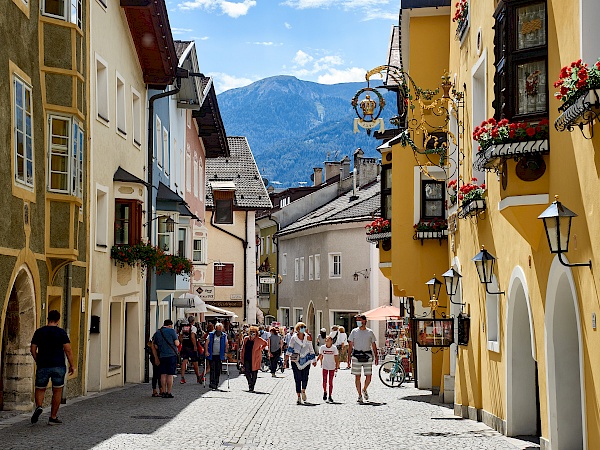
(372, 404)
(429, 398)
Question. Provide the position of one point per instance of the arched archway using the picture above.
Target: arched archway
(566, 400)
(309, 320)
(522, 398)
(19, 323)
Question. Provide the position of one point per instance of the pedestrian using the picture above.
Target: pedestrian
(49, 345)
(321, 337)
(275, 345)
(164, 344)
(187, 336)
(342, 346)
(301, 353)
(264, 334)
(362, 350)
(330, 362)
(251, 355)
(216, 346)
(156, 387)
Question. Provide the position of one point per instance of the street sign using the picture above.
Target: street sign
(236, 297)
(206, 292)
(266, 280)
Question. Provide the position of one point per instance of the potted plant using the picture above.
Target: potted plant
(461, 16)
(575, 80)
(491, 133)
(142, 255)
(472, 196)
(431, 228)
(174, 265)
(452, 195)
(379, 230)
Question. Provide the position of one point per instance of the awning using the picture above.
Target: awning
(125, 177)
(382, 313)
(185, 211)
(213, 311)
(191, 302)
(161, 294)
(165, 194)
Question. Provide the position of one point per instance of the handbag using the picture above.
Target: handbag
(295, 357)
(361, 356)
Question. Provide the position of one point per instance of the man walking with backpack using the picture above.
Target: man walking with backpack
(216, 346)
(188, 336)
(362, 350)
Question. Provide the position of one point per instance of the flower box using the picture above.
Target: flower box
(431, 235)
(461, 17)
(581, 110)
(472, 208)
(376, 237)
(488, 159)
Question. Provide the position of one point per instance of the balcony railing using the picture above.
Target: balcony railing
(491, 158)
(580, 112)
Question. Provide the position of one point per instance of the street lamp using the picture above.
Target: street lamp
(364, 273)
(557, 223)
(484, 261)
(452, 278)
(169, 224)
(434, 286)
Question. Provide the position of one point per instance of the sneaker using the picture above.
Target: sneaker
(330, 400)
(299, 402)
(304, 396)
(324, 395)
(182, 380)
(365, 394)
(55, 421)
(169, 395)
(360, 400)
(36, 414)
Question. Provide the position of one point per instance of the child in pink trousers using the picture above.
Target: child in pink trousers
(330, 361)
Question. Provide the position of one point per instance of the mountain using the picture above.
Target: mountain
(294, 125)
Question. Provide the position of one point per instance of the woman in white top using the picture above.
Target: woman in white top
(300, 351)
(342, 344)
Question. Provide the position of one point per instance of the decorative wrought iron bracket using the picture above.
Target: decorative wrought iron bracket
(582, 111)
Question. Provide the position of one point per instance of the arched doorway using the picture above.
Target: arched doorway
(16, 370)
(309, 320)
(522, 398)
(566, 408)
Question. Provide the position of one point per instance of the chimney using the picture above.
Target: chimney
(332, 169)
(367, 168)
(345, 167)
(317, 176)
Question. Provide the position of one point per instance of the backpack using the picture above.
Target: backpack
(336, 336)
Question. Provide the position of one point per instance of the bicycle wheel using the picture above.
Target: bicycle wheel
(392, 374)
(265, 366)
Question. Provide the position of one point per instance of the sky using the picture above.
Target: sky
(326, 41)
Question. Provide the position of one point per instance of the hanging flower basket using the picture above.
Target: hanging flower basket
(472, 197)
(146, 256)
(379, 230)
(461, 17)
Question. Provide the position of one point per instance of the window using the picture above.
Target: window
(335, 265)
(223, 275)
(70, 11)
(128, 222)
(432, 199)
(386, 191)
(268, 245)
(296, 269)
(492, 314)
(284, 264)
(302, 268)
(188, 171)
(224, 211)
(65, 166)
(262, 245)
(102, 218)
(317, 267)
(311, 267)
(102, 89)
(23, 132)
(285, 317)
(200, 181)
(136, 117)
(521, 51)
(181, 161)
(264, 288)
(198, 252)
(158, 145)
(195, 182)
(121, 120)
(164, 237)
(297, 316)
(181, 238)
(165, 147)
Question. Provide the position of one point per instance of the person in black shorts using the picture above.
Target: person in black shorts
(49, 345)
(189, 352)
(164, 347)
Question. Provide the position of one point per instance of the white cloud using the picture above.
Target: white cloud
(175, 30)
(302, 58)
(201, 38)
(287, 25)
(232, 9)
(369, 8)
(342, 76)
(224, 82)
(266, 43)
(305, 4)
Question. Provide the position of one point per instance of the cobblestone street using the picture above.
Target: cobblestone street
(197, 418)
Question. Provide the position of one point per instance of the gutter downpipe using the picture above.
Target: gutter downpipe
(150, 186)
(244, 244)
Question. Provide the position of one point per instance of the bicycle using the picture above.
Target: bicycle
(265, 363)
(391, 373)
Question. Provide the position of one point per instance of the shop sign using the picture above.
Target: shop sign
(434, 332)
(206, 292)
(235, 297)
(226, 304)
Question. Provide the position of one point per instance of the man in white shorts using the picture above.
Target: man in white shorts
(363, 348)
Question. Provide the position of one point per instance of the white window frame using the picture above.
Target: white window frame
(74, 155)
(284, 264)
(268, 245)
(296, 269)
(196, 174)
(317, 266)
(188, 170)
(121, 120)
(168, 236)
(199, 252)
(158, 147)
(297, 317)
(311, 268)
(165, 149)
(101, 218)
(200, 180)
(492, 315)
(72, 11)
(282, 319)
(136, 117)
(335, 267)
(102, 103)
(25, 87)
(181, 170)
(302, 268)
